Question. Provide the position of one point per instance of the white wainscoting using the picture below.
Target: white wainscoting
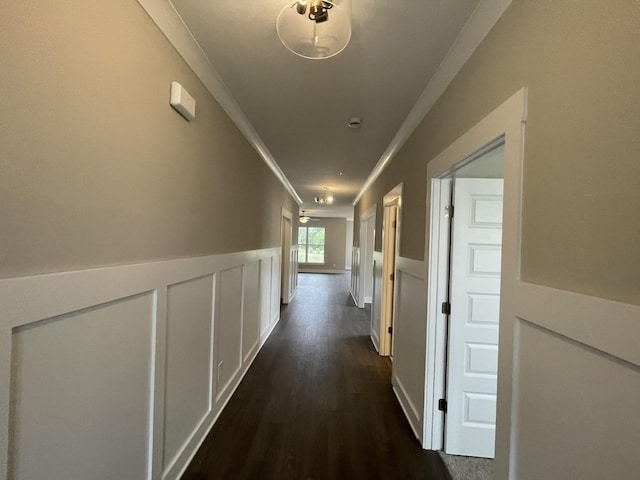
(120, 372)
(376, 301)
(355, 274)
(293, 272)
(409, 329)
(575, 389)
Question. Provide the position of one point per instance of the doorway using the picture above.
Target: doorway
(390, 245)
(288, 263)
(364, 292)
(468, 202)
(506, 124)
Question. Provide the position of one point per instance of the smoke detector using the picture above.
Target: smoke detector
(354, 122)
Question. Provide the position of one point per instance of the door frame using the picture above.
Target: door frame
(505, 124)
(287, 279)
(394, 197)
(367, 245)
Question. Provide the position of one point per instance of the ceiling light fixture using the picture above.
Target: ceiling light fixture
(304, 218)
(315, 29)
(325, 199)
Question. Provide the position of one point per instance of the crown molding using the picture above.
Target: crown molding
(481, 21)
(165, 16)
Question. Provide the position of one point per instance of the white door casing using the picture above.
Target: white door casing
(474, 319)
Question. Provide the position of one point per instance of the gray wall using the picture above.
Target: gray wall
(96, 168)
(579, 61)
(335, 238)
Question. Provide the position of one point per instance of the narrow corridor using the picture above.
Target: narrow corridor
(317, 403)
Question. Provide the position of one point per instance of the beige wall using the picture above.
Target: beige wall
(335, 238)
(579, 60)
(96, 168)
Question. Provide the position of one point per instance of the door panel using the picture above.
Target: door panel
(473, 322)
(389, 239)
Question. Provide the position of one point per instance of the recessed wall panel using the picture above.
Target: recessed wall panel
(81, 393)
(265, 294)
(577, 409)
(251, 309)
(275, 287)
(228, 328)
(189, 361)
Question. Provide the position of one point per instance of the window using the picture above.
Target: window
(311, 244)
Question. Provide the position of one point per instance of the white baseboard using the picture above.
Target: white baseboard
(355, 300)
(375, 341)
(404, 403)
(319, 270)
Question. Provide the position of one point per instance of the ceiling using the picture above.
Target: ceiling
(300, 107)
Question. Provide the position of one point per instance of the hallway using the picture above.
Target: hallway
(316, 403)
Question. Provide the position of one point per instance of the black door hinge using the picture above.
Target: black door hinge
(446, 308)
(392, 277)
(394, 224)
(442, 405)
(390, 330)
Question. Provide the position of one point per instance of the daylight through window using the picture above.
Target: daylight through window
(311, 244)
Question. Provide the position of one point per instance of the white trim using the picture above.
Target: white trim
(351, 293)
(364, 249)
(26, 300)
(437, 287)
(605, 325)
(287, 214)
(403, 400)
(302, 269)
(374, 343)
(288, 260)
(369, 213)
(507, 121)
(376, 301)
(388, 312)
(481, 21)
(212, 422)
(415, 268)
(165, 16)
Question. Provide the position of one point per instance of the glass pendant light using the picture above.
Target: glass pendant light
(315, 29)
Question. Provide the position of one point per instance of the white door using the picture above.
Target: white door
(473, 322)
(389, 229)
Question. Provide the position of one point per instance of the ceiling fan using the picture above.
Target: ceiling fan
(304, 218)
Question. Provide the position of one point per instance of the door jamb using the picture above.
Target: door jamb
(364, 247)
(506, 123)
(285, 297)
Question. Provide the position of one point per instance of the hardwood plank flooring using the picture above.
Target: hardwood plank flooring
(316, 404)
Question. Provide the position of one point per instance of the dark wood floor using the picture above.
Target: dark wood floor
(316, 404)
